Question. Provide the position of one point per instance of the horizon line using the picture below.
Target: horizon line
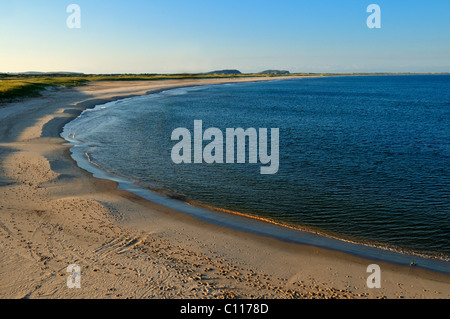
(210, 73)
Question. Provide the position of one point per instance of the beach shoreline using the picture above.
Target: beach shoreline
(54, 214)
(255, 224)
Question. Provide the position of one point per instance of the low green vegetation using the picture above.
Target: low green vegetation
(13, 87)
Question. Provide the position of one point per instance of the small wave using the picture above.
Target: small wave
(182, 91)
(140, 135)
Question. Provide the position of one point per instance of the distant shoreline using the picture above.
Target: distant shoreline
(32, 84)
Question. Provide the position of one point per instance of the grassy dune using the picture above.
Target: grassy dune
(21, 87)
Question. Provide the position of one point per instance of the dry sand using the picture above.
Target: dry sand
(53, 214)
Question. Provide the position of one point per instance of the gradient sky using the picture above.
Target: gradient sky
(171, 36)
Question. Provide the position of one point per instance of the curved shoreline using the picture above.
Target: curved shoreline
(54, 214)
(252, 224)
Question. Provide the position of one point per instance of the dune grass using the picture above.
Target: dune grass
(19, 87)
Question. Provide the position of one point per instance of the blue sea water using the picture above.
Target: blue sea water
(365, 159)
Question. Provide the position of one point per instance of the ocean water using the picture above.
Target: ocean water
(363, 159)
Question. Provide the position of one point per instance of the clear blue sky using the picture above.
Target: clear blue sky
(169, 36)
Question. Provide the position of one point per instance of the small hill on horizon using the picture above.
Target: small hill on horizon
(224, 72)
(275, 72)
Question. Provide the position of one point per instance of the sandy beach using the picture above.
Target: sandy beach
(54, 214)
